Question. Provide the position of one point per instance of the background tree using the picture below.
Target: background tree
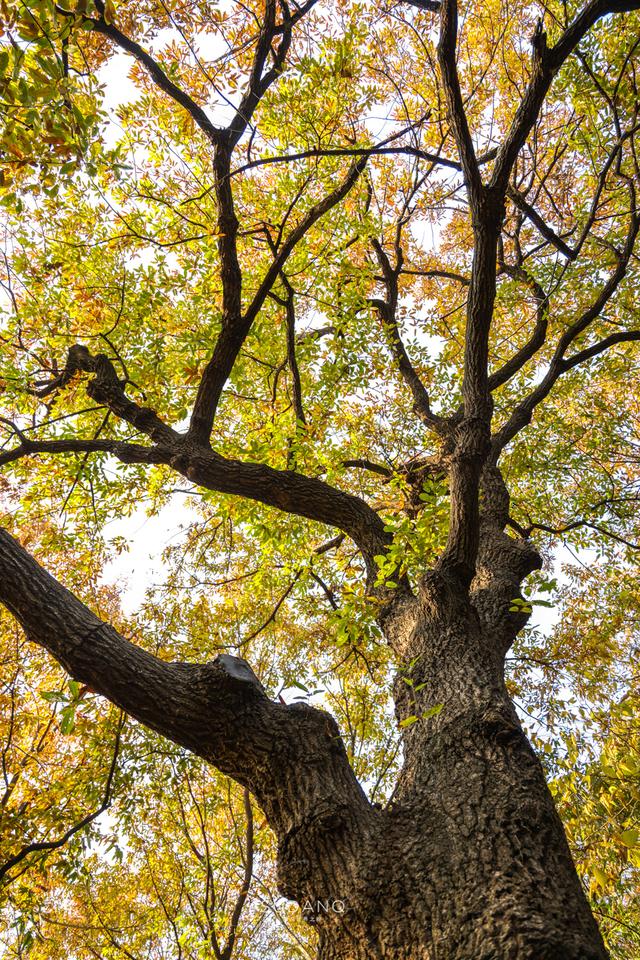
(354, 286)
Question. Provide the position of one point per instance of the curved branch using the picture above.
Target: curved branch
(219, 710)
(576, 524)
(286, 490)
(387, 309)
(213, 133)
(560, 363)
(523, 413)
(107, 389)
(538, 336)
(290, 492)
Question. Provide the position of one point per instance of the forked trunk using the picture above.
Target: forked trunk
(469, 861)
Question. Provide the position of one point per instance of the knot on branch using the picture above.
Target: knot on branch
(502, 726)
(230, 690)
(237, 670)
(231, 687)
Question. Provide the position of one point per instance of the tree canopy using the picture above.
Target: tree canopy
(238, 301)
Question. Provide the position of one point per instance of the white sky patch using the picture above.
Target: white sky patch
(141, 567)
(119, 90)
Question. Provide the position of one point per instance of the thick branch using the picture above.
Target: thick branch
(284, 489)
(172, 698)
(288, 491)
(431, 5)
(364, 464)
(546, 63)
(472, 434)
(218, 710)
(582, 23)
(125, 452)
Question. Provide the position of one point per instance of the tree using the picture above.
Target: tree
(238, 292)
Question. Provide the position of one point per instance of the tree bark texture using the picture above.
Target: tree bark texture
(469, 859)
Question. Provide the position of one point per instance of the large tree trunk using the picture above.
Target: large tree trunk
(469, 860)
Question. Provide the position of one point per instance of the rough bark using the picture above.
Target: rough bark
(468, 861)
(495, 874)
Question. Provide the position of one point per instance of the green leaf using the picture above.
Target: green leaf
(67, 720)
(408, 721)
(432, 711)
(54, 696)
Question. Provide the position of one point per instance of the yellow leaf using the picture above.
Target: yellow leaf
(599, 879)
(630, 837)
